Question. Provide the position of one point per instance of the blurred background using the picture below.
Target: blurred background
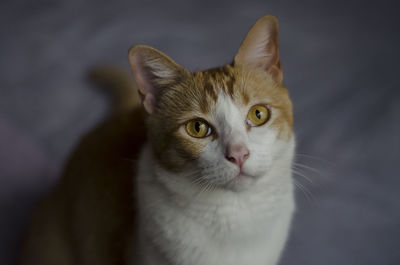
(341, 65)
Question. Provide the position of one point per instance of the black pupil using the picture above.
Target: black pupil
(197, 126)
(258, 114)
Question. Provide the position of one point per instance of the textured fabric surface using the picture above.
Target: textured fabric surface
(340, 61)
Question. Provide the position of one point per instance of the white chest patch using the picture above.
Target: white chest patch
(220, 227)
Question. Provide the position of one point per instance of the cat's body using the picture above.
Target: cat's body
(208, 182)
(91, 216)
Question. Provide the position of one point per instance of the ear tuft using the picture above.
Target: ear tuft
(153, 71)
(260, 47)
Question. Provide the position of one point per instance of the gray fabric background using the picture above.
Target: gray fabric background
(340, 61)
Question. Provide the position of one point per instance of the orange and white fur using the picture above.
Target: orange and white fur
(201, 176)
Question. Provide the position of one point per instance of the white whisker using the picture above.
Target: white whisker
(305, 191)
(307, 167)
(302, 175)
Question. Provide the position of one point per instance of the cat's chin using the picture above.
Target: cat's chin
(240, 182)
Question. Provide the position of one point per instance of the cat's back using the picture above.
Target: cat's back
(90, 217)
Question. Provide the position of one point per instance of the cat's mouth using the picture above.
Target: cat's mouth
(231, 178)
(242, 174)
(240, 181)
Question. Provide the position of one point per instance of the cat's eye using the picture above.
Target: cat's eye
(258, 115)
(198, 128)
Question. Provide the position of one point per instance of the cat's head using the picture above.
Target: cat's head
(225, 126)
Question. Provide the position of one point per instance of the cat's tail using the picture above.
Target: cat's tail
(119, 84)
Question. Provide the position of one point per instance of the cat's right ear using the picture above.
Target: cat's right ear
(153, 71)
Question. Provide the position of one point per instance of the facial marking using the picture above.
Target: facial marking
(223, 97)
(230, 120)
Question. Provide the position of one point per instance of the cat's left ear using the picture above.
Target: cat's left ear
(153, 71)
(260, 48)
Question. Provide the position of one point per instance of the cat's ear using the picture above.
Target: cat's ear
(153, 71)
(260, 49)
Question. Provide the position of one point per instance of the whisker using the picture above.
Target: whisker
(305, 191)
(308, 167)
(302, 175)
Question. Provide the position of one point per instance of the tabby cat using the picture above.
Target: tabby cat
(200, 175)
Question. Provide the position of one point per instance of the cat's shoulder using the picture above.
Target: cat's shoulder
(94, 201)
(107, 155)
(101, 173)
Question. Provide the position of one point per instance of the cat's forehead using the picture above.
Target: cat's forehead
(221, 80)
(216, 80)
(199, 95)
(241, 86)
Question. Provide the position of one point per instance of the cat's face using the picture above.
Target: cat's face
(224, 127)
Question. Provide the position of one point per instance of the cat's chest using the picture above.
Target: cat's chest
(220, 235)
(218, 238)
(227, 222)
(203, 230)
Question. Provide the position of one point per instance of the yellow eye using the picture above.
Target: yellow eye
(258, 115)
(198, 128)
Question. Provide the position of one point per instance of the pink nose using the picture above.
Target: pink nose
(237, 154)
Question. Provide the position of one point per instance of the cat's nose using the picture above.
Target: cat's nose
(237, 154)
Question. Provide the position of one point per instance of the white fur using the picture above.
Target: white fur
(240, 221)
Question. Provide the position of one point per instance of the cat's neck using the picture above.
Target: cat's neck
(173, 213)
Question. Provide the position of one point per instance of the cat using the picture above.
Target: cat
(200, 175)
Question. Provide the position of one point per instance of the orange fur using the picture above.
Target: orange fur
(91, 216)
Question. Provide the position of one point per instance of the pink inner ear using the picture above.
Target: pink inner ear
(152, 71)
(276, 73)
(145, 87)
(140, 76)
(149, 103)
(259, 49)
